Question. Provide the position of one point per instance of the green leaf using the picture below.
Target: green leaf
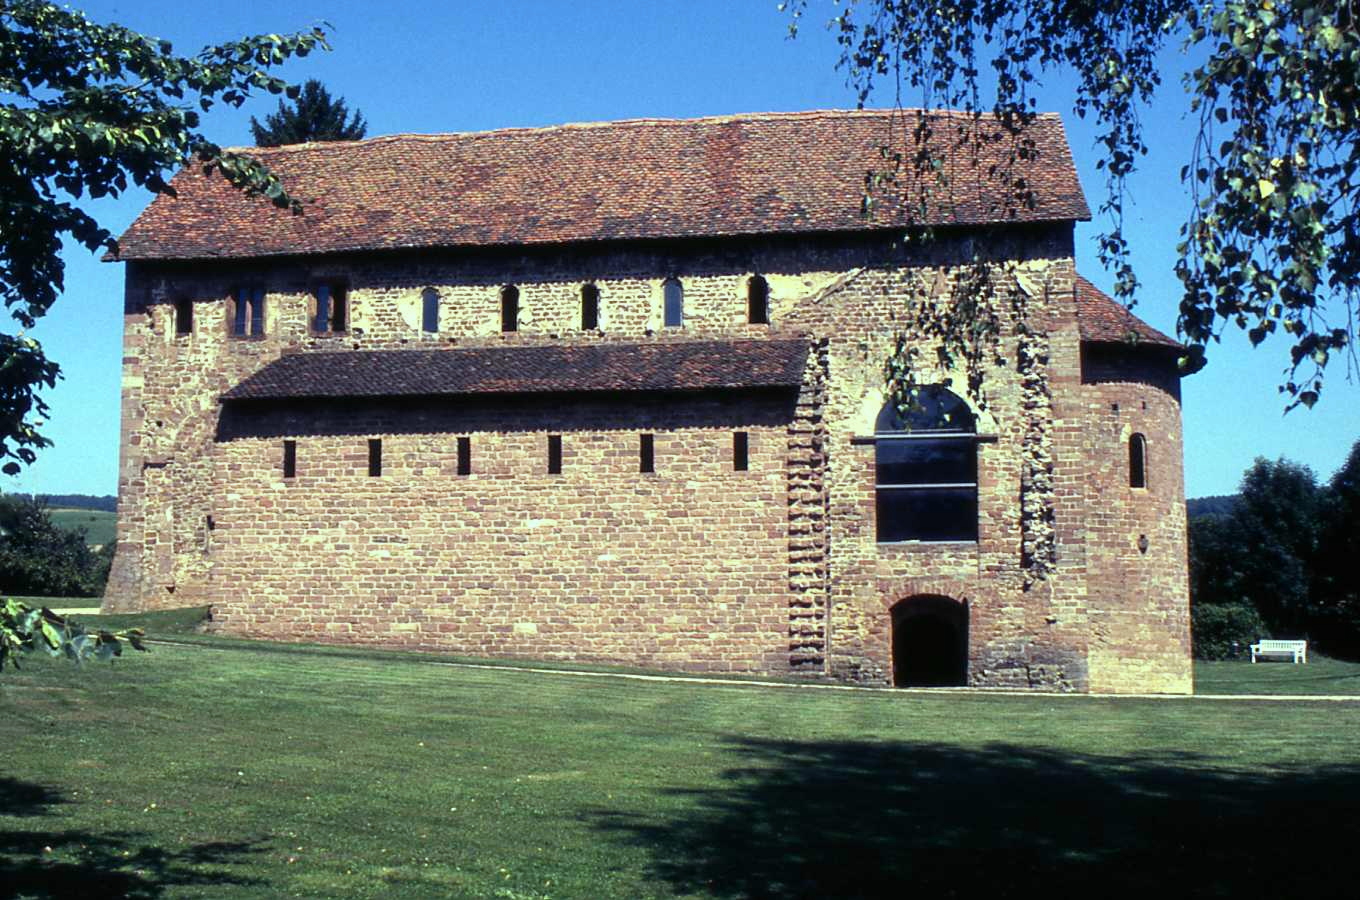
(51, 634)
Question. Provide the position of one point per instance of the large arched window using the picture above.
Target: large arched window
(926, 470)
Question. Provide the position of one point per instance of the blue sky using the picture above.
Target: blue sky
(460, 66)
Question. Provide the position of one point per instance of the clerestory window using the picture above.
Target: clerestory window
(330, 308)
(673, 299)
(758, 301)
(509, 308)
(247, 312)
(429, 311)
(184, 316)
(590, 307)
(926, 470)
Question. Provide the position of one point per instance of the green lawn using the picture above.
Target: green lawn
(84, 603)
(219, 770)
(1319, 676)
(100, 525)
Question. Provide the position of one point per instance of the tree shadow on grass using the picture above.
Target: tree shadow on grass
(40, 863)
(896, 819)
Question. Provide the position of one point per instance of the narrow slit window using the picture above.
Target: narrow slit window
(247, 315)
(509, 308)
(554, 454)
(429, 311)
(184, 316)
(758, 301)
(673, 295)
(290, 459)
(464, 456)
(330, 309)
(590, 307)
(647, 453)
(1137, 461)
(374, 457)
(741, 451)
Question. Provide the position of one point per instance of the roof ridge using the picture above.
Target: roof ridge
(741, 174)
(641, 122)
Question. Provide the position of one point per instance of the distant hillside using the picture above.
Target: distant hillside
(100, 525)
(1218, 506)
(78, 500)
(106, 503)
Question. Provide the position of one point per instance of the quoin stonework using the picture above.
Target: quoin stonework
(616, 392)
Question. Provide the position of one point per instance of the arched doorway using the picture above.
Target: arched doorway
(930, 642)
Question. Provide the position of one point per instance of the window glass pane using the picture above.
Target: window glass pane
(323, 309)
(674, 296)
(927, 514)
(937, 409)
(239, 313)
(429, 312)
(257, 311)
(338, 311)
(926, 461)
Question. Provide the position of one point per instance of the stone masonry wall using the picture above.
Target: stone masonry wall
(171, 381)
(1017, 636)
(1136, 542)
(685, 567)
(1136, 601)
(695, 566)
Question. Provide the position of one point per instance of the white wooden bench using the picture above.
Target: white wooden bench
(1298, 650)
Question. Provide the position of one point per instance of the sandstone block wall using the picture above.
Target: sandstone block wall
(684, 567)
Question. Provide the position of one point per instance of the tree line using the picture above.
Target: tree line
(101, 503)
(1279, 562)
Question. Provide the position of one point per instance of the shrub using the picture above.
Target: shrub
(39, 559)
(1225, 630)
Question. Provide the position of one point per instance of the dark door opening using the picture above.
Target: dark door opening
(930, 643)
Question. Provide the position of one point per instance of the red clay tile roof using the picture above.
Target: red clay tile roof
(652, 178)
(1104, 320)
(676, 366)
